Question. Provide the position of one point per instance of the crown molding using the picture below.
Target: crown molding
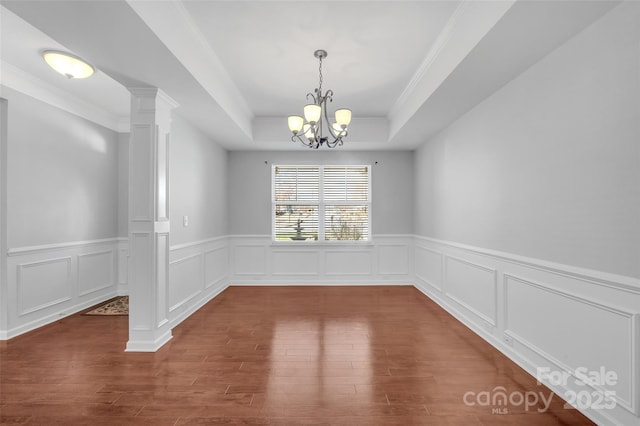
(172, 24)
(23, 82)
(466, 27)
(442, 40)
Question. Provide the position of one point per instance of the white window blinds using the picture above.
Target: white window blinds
(321, 203)
(346, 197)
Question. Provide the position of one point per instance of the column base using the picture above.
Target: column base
(148, 346)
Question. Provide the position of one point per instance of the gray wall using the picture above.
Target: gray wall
(250, 187)
(123, 185)
(549, 166)
(62, 183)
(198, 184)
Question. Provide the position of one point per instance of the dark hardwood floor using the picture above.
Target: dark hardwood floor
(273, 355)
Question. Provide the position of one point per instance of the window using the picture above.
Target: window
(325, 203)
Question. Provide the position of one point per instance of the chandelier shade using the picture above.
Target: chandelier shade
(343, 116)
(295, 123)
(309, 129)
(312, 113)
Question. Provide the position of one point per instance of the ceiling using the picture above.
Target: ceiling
(407, 69)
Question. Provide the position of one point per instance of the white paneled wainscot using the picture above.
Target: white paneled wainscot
(256, 259)
(551, 319)
(48, 282)
(198, 272)
(545, 316)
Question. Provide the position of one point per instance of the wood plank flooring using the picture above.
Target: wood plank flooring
(377, 355)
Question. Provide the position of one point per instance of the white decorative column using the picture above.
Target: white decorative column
(4, 283)
(149, 219)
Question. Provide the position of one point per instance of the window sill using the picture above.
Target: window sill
(315, 243)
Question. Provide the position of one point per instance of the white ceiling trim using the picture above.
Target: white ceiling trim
(171, 23)
(469, 23)
(428, 61)
(26, 83)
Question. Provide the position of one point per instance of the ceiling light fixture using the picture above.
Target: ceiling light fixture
(67, 64)
(308, 130)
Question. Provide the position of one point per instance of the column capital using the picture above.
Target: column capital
(153, 93)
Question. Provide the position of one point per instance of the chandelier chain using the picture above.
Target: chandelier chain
(320, 72)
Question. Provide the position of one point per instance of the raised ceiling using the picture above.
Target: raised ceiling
(407, 69)
(268, 49)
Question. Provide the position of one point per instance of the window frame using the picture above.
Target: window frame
(321, 203)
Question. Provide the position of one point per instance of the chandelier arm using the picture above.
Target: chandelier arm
(315, 100)
(317, 130)
(322, 100)
(335, 135)
(306, 143)
(329, 125)
(340, 135)
(313, 143)
(336, 142)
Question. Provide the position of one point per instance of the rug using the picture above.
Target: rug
(117, 306)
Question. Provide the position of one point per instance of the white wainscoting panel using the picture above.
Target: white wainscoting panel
(186, 280)
(473, 286)
(198, 271)
(43, 284)
(257, 260)
(140, 317)
(95, 271)
(48, 282)
(250, 259)
(162, 280)
(295, 262)
(543, 315)
(216, 265)
(573, 332)
(393, 259)
(348, 262)
(429, 266)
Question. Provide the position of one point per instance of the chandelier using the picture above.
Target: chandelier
(308, 130)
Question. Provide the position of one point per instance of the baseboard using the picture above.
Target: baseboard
(212, 294)
(308, 283)
(63, 313)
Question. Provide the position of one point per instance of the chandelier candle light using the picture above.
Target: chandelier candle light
(308, 130)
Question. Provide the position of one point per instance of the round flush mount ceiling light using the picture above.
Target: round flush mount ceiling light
(67, 64)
